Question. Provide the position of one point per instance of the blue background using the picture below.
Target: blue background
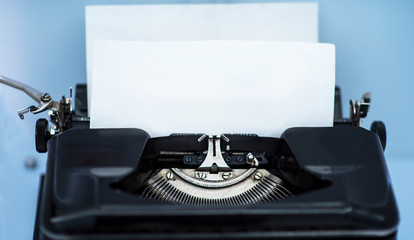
(42, 43)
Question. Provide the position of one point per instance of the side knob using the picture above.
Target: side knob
(42, 135)
(378, 127)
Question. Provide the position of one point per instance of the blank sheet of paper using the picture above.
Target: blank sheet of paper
(212, 87)
(185, 22)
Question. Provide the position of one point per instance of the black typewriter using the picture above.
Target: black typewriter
(311, 183)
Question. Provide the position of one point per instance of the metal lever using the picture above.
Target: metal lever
(364, 106)
(214, 161)
(33, 93)
(359, 110)
(252, 160)
(23, 111)
(44, 99)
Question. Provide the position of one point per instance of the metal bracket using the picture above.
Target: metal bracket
(359, 110)
(44, 100)
(252, 160)
(214, 161)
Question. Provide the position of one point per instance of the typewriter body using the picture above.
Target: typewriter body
(311, 183)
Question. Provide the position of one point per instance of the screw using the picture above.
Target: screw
(226, 175)
(187, 159)
(250, 157)
(200, 175)
(45, 97)
(258, 176)
(170, 176)
(200, 159)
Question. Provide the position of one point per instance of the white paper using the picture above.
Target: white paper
(212, 87)
(184, 22)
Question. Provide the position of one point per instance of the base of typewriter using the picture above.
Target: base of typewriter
(319, 183)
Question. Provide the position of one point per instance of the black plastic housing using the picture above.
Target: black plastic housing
(78, 200)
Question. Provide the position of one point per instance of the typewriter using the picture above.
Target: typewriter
(311, 183)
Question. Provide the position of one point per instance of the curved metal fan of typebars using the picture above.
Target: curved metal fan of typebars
(236, 188)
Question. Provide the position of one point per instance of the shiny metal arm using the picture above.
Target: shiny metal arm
(33, 93)
(43, 99)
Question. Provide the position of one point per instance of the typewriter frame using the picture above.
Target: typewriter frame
(357, 200)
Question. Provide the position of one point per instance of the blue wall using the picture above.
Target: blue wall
(43, 44)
